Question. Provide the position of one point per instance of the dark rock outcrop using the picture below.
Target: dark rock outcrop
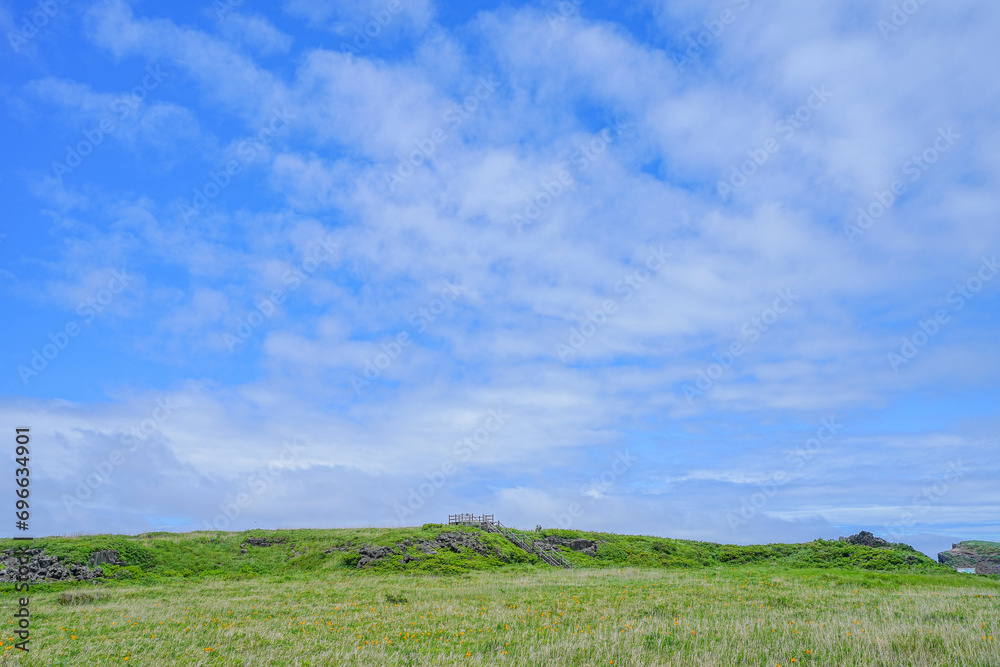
(866, 539)
(106, 557)
(986, 567)
(372, 553)
(42, 567)
(584, 546)
(454, 541)
(263, 541)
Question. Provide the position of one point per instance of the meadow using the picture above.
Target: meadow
(523, 613)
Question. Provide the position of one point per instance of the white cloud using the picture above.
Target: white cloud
(256, 32)
(375, 19)
(358, 116)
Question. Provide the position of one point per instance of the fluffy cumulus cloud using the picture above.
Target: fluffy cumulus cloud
(723, 271)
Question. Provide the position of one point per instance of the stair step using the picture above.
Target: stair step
(552, 558)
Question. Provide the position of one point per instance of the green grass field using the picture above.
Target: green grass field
(196, 600)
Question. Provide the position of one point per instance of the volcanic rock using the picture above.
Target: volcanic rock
(866, 539)
(42, 567)
(584, 546)
(972, 554)
(106, 557)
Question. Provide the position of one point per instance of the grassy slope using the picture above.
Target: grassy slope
(643, 551)
(193, 599)
(988, 549)
(156, 556)
(982, 547)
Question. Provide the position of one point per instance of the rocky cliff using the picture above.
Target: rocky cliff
(41, 567)
(984, 556)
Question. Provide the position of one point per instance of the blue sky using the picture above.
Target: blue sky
(711, 270)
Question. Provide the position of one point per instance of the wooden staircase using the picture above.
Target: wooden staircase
(488, 524)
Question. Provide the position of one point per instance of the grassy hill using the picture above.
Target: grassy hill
(158, 556)
(310, 597)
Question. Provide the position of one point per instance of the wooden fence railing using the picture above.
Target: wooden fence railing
(486, 522)
(469, 518)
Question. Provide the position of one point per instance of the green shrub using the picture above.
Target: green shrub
(82, 597)
(133, 553)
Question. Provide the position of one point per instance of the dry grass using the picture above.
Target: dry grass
(720, 616)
